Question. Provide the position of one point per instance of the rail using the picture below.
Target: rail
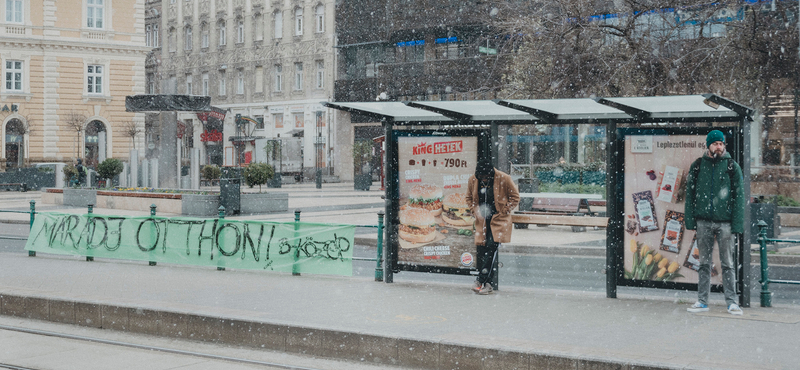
(378, 258)
(766, 295)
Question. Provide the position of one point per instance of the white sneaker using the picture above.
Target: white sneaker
(735, 310)
(698, 307)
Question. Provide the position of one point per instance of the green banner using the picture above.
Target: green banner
(259, 245)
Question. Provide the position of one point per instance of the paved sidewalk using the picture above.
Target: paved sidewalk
(430, 325)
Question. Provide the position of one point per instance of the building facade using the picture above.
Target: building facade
(67, 67)
(268, 61)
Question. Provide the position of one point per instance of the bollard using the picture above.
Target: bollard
(33, 213)
(379, 258)
(90, 210)
(295, 268)
(152, 214)
(221, 216)
(766, 295)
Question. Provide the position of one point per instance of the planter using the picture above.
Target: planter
(255, 203)
(79, 197)
(362, 182)
(200, 205)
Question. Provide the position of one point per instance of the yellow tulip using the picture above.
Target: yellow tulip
(634, 247)
(673, 267)
(643, 252)
(657, 257)
(648, 260)
(663, 263)
(661, 272)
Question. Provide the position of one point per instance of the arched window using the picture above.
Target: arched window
(204, 35)
(188, 35)
(258, 30)
(95, 143)
(298, 22)
(240, 31)
(319, 18)
(222, 34)
(15, 143)
(278, 23)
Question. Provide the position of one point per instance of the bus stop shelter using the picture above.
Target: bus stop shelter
(650, 142)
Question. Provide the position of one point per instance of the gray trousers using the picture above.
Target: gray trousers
(707, 232)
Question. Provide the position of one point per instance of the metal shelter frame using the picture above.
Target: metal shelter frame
(679, 111)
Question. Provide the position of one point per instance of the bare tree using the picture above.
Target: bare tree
(131, 130)
(76, 121)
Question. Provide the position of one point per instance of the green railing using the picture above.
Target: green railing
(378, 259)
(766, 295)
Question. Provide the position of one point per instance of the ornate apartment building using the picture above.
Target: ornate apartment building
(67, 67)
(270, 61)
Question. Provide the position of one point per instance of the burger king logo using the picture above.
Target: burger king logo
(467, 259)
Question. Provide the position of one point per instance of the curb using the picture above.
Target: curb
(335, 344)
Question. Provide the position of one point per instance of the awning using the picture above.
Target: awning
(655, 109)
(167, 103)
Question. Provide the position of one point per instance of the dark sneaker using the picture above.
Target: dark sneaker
(486, 290)
(476, 287)
(698, 307)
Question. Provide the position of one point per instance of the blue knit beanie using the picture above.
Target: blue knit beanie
(714, 136)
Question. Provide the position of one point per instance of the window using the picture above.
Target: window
(277, 119)
(205, 84)
(278, 77)
(258, 21)
(240, 31)
(222, 35)
(14, 11)
(320, 74)
(14, 75)
(171, 40)
(148, 37)
(298, 76)
(155, 36)
(188, 84)
(151, 85)
(222, 82)
(94, 13)
(204, 35)
(188, 34)
(278, 22)
(319, 17)
(95, 79)
(259, 79)
(240, 82)
(298, 119)
(298, 22)
(320, 119)
(260, 122)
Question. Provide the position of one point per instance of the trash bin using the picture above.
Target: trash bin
(230, 185)
(768, 213)
(527, 186)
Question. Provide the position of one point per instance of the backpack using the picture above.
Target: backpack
(696, 169)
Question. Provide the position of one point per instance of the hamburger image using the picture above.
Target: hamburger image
(426, 196)
(417, 225)
(456, 210)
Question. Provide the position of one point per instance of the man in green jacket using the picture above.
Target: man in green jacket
(715, 207)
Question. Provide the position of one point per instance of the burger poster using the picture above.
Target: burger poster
(656, 241)
(436, 226)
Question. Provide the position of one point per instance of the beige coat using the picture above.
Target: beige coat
(506, 198)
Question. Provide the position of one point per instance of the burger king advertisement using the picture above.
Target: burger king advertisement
(436, 225)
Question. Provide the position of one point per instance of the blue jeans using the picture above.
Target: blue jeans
(707, 232)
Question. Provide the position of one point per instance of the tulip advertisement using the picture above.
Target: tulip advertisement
(658, 247)
(436, 225)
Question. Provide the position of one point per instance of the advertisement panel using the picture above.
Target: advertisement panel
(657, 246)
(436, 227)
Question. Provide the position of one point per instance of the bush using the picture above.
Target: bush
(110, 168)
(258, 174)
(211, 172)
(70, 172)
(782, 201)
(554, 187)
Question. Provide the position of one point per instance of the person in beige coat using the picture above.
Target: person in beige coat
(491, 196)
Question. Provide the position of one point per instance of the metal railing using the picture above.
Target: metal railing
(766, 295)
(90, 208)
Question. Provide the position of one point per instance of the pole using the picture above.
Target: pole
(33, 215)
(295, 267)
(90, 210)
(221, 216)
(766, 296)
(379, 258)
(152, 214)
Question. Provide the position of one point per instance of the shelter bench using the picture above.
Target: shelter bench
(561, 209)
(18, 186)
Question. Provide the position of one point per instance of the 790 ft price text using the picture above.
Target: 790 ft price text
(449, 162)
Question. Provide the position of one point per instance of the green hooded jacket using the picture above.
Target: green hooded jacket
(714, 195)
